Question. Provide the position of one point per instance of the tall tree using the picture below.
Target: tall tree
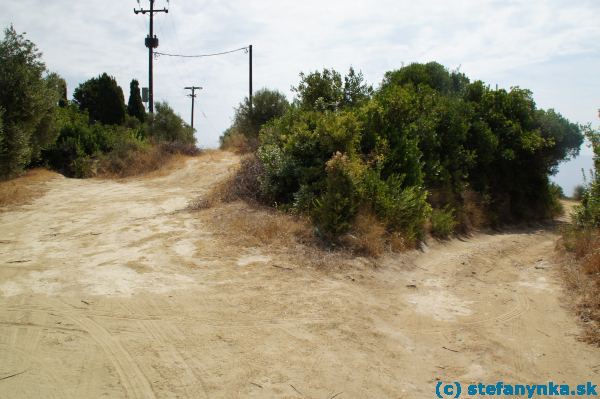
(103, 98)
(135, 107)
(356, 91)
(28, 101)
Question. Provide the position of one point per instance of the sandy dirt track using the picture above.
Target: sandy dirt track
(111, 289)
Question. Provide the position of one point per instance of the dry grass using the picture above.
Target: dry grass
(239, 144)
(368, 236)
(581, 272)
(26, 188)
(158, 160)
(246, 225)
(399, 243)
(242, 184)
(241, 226)
(175, 161)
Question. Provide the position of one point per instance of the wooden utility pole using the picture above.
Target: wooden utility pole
(193, 96)
(152, 43)
(250, 76)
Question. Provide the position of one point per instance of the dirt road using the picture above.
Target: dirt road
(112, 289)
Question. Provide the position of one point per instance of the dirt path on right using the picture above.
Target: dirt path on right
(491, 308)
(115, 289)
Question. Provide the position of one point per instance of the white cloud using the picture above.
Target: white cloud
(548, 46)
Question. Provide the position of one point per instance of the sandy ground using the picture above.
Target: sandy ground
(112, 289)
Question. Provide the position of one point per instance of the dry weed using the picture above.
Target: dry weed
(581, 271)
(158, 160)
(26, 188)
(242, 225)
(252, 225)
(239, 144)
(368, 236)
(242, 184)
(399, 243)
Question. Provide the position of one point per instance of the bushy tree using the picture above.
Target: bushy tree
(103, 99)
(242, 135)
(327, 91)
(356, 91)
(59, 85)
(320, 91)
(432, 74)
(28, 100)
(166, 125)
(266, 105)
(135, 106)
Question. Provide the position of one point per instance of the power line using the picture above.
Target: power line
(202, 55)
(247, 49)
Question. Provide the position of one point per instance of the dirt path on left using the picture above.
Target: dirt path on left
(69, 259)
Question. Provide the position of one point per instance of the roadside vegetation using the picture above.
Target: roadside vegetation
(94, 134)
(581, 242)
(428, 151)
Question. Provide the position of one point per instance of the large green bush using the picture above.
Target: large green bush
(342, 148)
(166, 125)
(80, 144)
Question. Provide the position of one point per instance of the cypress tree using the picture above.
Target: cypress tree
(134, 106)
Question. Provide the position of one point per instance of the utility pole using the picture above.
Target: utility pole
(250, 76)
(152, 43)
(193, 96)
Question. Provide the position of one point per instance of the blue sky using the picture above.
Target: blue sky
(549, 47)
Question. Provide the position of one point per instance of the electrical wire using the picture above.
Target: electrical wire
(202, 55)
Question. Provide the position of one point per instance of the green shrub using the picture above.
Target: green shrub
(279, 180)
(442, 222)
(578, 192)
(556, 194)
(166, 125)
(402, 208)
(296, 148)
(587, 215)
(336, 208)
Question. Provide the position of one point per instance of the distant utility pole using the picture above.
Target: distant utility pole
(193, 96)
(250, 76)
(151, 43)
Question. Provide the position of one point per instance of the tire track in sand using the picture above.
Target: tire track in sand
(132, 378)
